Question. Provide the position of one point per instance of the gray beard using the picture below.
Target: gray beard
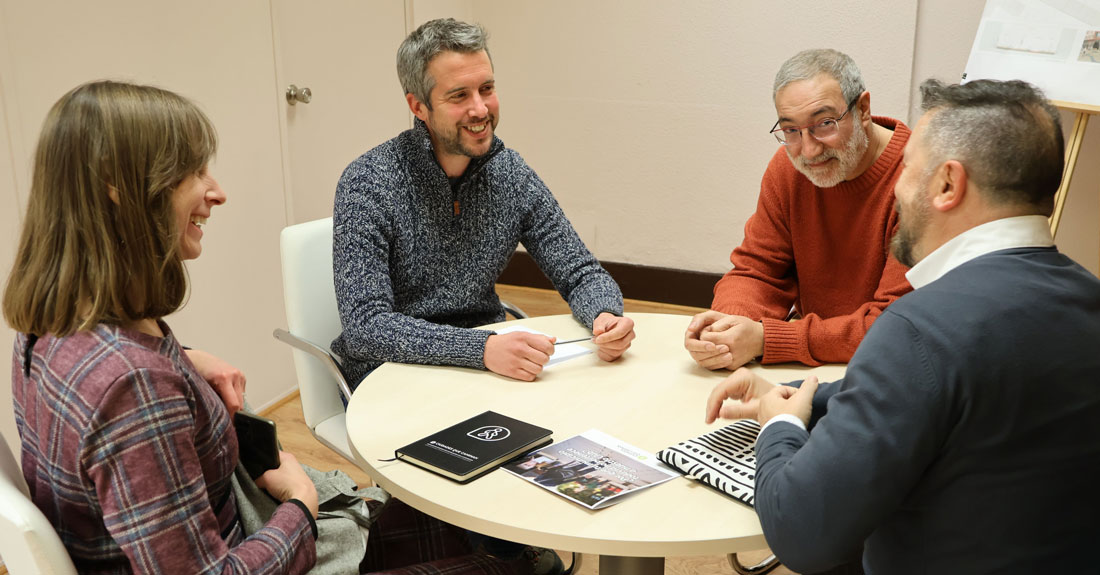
(848, 158)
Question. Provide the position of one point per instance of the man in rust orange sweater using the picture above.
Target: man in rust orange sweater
(818, 243)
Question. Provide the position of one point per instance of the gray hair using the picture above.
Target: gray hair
(426, 42)
(808, 64)
(1006, 134)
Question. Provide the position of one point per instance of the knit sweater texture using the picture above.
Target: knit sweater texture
(416, 258)
(823, 251)
(964, 437)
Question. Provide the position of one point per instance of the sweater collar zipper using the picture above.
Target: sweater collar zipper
(470, 172)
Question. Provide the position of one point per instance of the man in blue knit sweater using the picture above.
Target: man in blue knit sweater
(965, 435)
(425, 223)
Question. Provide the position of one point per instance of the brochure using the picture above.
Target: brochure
(593, 469)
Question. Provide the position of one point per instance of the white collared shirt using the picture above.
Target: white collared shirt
(1002, 234)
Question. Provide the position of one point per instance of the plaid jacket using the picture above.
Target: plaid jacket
(128, 452)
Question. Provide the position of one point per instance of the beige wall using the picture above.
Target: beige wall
(945, 31)
(220, 55)
(648, 119)
(9, 233)
(336, 48)
(1079, 230)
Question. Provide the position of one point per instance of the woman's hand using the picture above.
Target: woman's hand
(227, 380)
(289, 481)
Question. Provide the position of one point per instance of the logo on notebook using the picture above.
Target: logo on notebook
(490, 433)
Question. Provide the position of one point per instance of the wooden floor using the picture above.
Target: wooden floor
(296, 438)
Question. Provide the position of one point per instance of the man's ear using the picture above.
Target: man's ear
(112, 192)
(863, 107)
(418, 108)
(951, 182)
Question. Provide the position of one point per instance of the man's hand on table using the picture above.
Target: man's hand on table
(757, 398)
(796, 401)
(519, 355)
(716, 340)
(745, 388)
(612, 335)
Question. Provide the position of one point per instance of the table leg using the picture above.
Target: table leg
(615, 565)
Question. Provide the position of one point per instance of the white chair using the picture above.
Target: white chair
(29, 543)
(767, 565)
(310, 299)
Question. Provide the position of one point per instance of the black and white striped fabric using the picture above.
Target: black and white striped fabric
(723, 459)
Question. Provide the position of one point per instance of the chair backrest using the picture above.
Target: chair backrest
(310, 299)
(28, 543)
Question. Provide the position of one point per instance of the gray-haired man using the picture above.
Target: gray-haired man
(965, 435)
(818, 240)
(426, 222)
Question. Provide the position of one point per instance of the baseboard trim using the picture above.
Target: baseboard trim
(664, 285)
(265, 409)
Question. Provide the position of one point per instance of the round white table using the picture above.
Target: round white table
(652, 397)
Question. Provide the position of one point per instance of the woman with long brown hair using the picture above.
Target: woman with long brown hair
(126, 447)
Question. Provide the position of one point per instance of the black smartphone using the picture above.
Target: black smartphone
(257, 443)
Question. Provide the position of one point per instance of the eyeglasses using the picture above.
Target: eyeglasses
(824, 130)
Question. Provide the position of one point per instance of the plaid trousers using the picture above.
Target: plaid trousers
(404, 541)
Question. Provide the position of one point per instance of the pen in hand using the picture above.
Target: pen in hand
(573, 340)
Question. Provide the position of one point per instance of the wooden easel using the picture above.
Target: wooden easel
(1073, 148)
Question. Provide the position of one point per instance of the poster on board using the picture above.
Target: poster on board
(1054, 44)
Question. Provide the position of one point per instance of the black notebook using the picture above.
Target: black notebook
(723, 459)
(466, 451)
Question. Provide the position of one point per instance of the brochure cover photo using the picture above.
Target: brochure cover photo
(593, 469)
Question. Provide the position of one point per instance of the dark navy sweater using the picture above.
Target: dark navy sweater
(964, 437)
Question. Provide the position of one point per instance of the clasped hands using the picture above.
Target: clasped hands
(753, 397)
(521, 355)
(716, 340)
(227, 380)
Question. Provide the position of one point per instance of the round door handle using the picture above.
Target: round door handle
(294, 94)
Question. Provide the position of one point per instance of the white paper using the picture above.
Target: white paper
(563, 352)
(1054, 44)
